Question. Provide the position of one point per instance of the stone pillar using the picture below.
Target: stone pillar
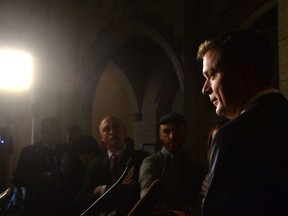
(283, 45)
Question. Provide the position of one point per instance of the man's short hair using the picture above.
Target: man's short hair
(243, 46)
(172, 118)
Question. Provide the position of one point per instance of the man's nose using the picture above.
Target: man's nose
(206, 89)
(172, 135)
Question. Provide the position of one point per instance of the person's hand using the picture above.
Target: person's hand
(97, 191)
(128, 179)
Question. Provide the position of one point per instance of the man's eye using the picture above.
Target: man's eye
(166, 131)
(105, 129)
(212, 76)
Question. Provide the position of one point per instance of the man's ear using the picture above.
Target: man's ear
(101, 137)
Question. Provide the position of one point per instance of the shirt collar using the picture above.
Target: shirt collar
(118, 153)
(256, 96)
(165, 152)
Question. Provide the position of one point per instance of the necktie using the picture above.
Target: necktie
(114, 163)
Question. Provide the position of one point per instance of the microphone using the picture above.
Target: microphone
(5, 193)
(146, 204)
(128, 166)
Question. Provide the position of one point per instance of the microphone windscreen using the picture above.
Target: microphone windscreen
(147, 203)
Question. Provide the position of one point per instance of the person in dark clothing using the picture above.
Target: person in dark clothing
(248, 171)
(106, 169)
(85, 149)
(38, 171)
(181, 176)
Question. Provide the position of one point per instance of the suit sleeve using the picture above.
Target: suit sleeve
(150, 171)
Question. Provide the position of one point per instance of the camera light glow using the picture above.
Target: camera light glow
(16, 70)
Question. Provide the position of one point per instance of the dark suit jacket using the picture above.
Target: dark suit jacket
(42, 195)
(124, 196)
(249, 162)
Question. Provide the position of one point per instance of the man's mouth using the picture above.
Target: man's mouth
(114, 138)
(172, 144)
(214, 101)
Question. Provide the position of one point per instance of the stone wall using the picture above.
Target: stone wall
(283, 45)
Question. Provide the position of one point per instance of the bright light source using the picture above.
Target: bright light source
(15, 69)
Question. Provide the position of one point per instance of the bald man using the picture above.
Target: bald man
(107, 168)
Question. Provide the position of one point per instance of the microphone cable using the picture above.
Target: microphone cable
(129, 164)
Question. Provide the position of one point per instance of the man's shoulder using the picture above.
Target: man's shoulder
(155, 157)
(31, 148)
(103, 156)
(99, 162)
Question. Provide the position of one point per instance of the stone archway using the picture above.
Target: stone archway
(114, 36)
(114, 96)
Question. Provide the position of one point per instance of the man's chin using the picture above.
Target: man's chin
(174, 147)
(116, 145)
(219, 111)
(114, 141)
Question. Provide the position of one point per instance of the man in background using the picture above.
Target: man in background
(38, 171)
(181, 176)
(107, 168)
